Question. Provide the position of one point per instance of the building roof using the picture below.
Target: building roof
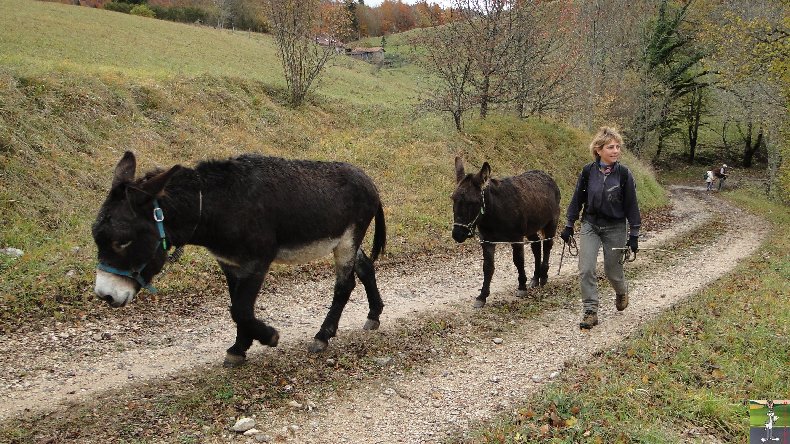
(360, 50)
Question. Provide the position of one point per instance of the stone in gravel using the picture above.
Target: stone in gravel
(330, 361)
(389, 392)
(537, 378)
(252, 431)
(243, 424)
(554, 375)
(295, 404)
(383, 361)
(263, 438)
(498, 341)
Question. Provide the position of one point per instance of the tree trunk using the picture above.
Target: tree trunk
(693, 130)
(484, 97)
(457, 120)
(749, 149)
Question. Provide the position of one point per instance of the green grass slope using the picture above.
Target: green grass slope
(79, 86)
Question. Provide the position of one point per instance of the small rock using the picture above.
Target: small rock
(537, 379)
(252, 431)
(295, 404)
(498, 341)
(554, 375)
(330, 361)
(389, 392)
(263, 438)
(13, 252)
(383, 361)
(243, 424)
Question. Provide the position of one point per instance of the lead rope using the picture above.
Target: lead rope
(573, 251)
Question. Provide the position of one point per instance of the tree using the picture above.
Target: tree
(489, 24)
(296, 26)
(352, 12)
(670, 71)
(543, 58)
(694, 106)
(446, 56)
(750, 52)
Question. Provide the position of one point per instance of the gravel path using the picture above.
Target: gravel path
(44, 369)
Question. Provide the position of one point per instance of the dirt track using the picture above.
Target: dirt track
(44, 369)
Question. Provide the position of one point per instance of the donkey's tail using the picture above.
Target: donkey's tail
(380, 235)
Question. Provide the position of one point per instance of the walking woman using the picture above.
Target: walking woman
(605, 196)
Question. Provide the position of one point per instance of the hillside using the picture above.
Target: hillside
(79, 86)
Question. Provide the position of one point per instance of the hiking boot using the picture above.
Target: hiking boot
(621, 302)
(589, 320)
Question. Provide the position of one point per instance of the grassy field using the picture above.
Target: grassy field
(79, 86)
(689, 374)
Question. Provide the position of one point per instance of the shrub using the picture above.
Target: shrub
(142, 11)
(183, 14)
(119, 7)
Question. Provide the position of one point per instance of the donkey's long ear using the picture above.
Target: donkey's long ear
(459, 169)
(151, 188)
(484, 174)
(124, 171)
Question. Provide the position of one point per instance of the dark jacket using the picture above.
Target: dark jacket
(606, 201)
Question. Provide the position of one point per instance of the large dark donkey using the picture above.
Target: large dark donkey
(506, 211)
(248, 211)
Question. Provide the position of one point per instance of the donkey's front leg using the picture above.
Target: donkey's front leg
(488, 273)
(243, 292)
(518, 261)
(536, 246)
(544, 266)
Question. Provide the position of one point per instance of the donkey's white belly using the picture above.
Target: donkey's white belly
(316, 250)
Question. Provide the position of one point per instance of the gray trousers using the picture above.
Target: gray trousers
(592, 237)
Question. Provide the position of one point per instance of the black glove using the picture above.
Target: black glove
(566, 234)
(633, 242)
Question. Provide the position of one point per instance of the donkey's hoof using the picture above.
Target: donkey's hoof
(232, 361)
(521, 293)
(318, 346)
(480, 303)
(274, 339)
(534, 283)
(371, 324)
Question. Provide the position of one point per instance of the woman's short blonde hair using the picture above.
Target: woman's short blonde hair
(604, 135)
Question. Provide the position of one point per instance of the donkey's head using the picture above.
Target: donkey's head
(468, 203)
(129, 234)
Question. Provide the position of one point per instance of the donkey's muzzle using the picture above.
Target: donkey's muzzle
(461, 233)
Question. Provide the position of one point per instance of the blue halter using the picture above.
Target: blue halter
(135, 273)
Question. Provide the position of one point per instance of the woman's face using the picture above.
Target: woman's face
(609, 152)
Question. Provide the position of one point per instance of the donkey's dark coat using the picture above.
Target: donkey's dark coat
(506, 211)
(249, 211)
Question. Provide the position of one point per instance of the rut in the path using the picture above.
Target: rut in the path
(41, 370)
